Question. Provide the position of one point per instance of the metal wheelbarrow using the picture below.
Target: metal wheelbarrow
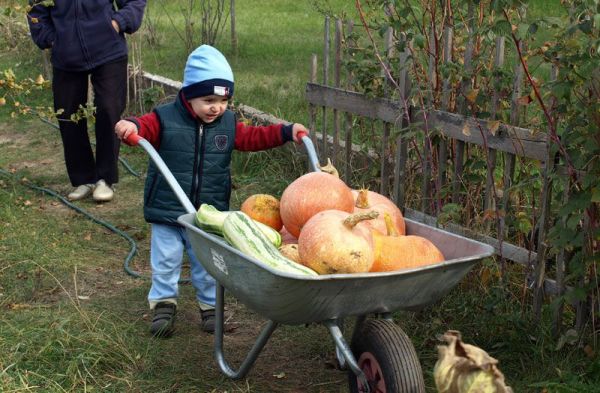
(381, 357)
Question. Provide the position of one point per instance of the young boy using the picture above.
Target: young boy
(195, 136)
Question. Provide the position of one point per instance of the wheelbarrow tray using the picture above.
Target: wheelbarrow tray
(297, 299)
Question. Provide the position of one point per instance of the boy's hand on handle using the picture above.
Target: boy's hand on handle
(298, 131)
(124, 129)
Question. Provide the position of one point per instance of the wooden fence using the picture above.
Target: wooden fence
(436, 157)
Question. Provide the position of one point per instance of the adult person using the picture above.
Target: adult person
(87, 39)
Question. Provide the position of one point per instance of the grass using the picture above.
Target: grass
(73, 320)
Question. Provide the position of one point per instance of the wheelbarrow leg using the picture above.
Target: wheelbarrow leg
(262, 339)
(343, 348)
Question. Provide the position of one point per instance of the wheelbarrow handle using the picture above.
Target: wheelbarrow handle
(313, 160)
(136, 140)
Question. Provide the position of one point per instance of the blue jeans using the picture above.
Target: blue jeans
(166, 256)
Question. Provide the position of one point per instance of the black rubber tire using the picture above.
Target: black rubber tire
(395, 354)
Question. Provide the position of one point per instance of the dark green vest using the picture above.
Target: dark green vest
(198, 155)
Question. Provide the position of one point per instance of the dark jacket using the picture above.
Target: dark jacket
(198, 156)
(80, 32)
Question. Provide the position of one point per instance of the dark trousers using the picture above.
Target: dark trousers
(70, 90)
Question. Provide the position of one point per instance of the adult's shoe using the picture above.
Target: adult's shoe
(80, 192)
(103, 192)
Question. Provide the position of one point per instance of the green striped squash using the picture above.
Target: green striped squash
(242, 233)
(211, 220)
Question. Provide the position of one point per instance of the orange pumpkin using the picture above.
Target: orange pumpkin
(310, 194)
(263, 208)
(366, 200)
(332, 242)
(394, 252)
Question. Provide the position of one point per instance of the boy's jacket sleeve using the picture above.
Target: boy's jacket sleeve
(255, 138)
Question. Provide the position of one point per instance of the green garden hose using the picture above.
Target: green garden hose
(132, 243)
(109, 226)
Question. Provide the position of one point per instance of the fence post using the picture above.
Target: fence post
(509, 161)
(427, 158)
(336, 80)
(385, 140)
(234, 42)
(442, 149)
(542, 250)
(489, 201)
(401, 144)
(325, 151)
(312, 111)
(560, 274)
(462, 107)
(348, 119)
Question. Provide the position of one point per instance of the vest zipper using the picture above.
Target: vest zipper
(198, 167)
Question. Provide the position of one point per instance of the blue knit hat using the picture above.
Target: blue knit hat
(207, 72)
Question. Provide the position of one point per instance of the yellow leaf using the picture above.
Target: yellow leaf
(88, 236)
(472, 95)
(39, 80)
(485, 276)
(493, 125)
(34, 20)
(524, 100)
(18, 306)
(466, 130)
(2, 101)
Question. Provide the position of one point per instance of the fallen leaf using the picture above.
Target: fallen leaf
(18, 306)
(88, 237)
(279, 375)
(485, 276)
(82, 297)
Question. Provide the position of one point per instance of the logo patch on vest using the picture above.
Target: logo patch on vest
(221, 141)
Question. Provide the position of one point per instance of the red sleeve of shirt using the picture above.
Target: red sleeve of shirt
(148, 128)
(255, 138)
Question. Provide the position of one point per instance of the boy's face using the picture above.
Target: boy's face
(209, 108)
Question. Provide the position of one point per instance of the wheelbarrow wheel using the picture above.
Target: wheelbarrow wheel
(387, 357)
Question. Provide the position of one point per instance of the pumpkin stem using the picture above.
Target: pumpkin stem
(354, 219)
(389, 225)
(329, 168)
(362, 200)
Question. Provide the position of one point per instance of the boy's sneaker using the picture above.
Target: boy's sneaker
(163, 322)
(207, 323)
